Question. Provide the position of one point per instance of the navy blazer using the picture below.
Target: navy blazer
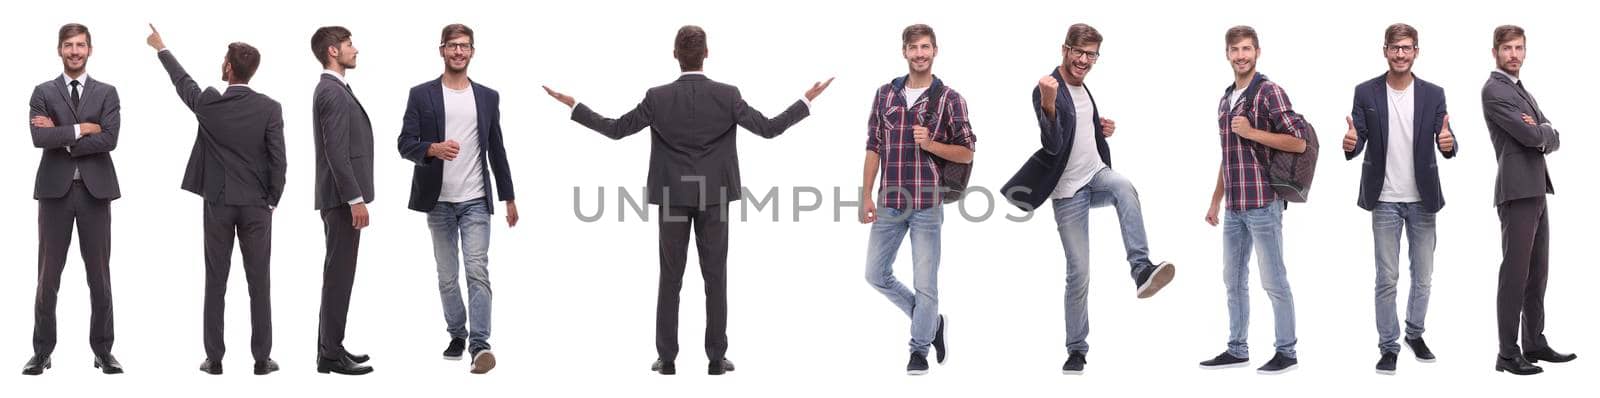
(1370, 115)
(424, 126)
(1031, 186)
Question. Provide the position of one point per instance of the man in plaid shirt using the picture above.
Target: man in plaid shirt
(914, 119)
(1251, 127)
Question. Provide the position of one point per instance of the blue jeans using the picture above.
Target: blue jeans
(887, 233)
(1262, 228)
(1387, 220)
(1107, 188)
(466, 223)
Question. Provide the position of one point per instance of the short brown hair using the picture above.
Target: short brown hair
(690, 48)
(327, 36)
(70, 30)
(243, 59)
(1241, 32)
(915, 31)
(1400, 31)
(1082, 35)
(452, 30)
(1506, 33)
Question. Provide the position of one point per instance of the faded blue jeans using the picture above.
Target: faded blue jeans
(1107, 188)
(463, 228)
(887, 234)
(1387, 221)
(1261, 228)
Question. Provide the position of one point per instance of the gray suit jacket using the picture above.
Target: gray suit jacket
(1518, 147)
(694, 159)
(343, 135)
(238, 156)
(63, 151)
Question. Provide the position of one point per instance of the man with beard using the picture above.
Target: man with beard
(452, 133)
(342, 134)
(1400, 184)
(74, 121)
(1254, 117)
(1522, 137)
(1079, 177)
(914, 119)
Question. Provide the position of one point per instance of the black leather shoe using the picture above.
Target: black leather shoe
(1548, 355)
(664, 367)
(108, 364)
(269, 366)
(211, 367)
(344, 366)
(1517, 366)
(358, 358)
(36, 365)
(719, 367)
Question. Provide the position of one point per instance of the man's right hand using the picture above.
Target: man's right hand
(444, 150)
(563, 98)
(358, 215)
(1047, 94)
(816, 89)
(1211, 214)
(1350, 136)
(869, 211)
(155, 39)
(89, 129)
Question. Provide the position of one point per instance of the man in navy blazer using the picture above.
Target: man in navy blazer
(1400, 119)
(452, 134)
(1074, 171)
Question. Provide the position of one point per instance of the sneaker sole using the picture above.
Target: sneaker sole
(944, 321)
(1279, 371)
(1228, 366)
(1159, 279)
(916, 372)
(1072, 372)
(1385, 372)
(483, 363)
(454, 358)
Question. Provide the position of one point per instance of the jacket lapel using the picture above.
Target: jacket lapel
(1380, 94)
(436, 102)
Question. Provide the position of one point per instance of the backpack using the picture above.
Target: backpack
(953, 176)
(1288, 173)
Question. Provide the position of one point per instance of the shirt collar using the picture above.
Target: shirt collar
(335, 76)
(84, 78)
(1514, 79)
(693, 72)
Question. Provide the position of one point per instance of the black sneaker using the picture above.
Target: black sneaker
(456, 348)
(1074, 365)
(1155, 278)
(1386, 363)
(918, 365)
(1224, 361)
(1420, 349)
(1279, 364)
(938, 341)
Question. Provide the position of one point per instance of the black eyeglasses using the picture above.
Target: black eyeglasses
(1074, 52)
(1401, 49)
(456, 46)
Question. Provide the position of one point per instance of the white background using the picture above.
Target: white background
(575, 301)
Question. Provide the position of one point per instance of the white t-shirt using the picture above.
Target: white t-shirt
(1084, 161)
(463, 177)
(912, 94)
(1400, 177)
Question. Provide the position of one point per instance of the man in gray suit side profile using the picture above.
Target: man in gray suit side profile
(1522, 136)
(343, 136)
(74, 120)
(237, 167)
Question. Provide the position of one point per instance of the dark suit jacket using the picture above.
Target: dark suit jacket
(1032, 185)
(343, 135)
(1370, 115)
(1518, 147)
(693, 157)
(424, 125)
(63, 151)
(238, 157)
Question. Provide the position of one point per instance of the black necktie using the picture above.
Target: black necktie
(76, 99)
(1537, 116)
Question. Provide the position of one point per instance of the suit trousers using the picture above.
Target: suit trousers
(56, 219)
(1524, 270)
(338, 278)
(710, 227)
(253, 226)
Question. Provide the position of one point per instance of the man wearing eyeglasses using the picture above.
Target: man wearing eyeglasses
(1079, 177)
(1522, 137)
(452, 134)
(1399, 120)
